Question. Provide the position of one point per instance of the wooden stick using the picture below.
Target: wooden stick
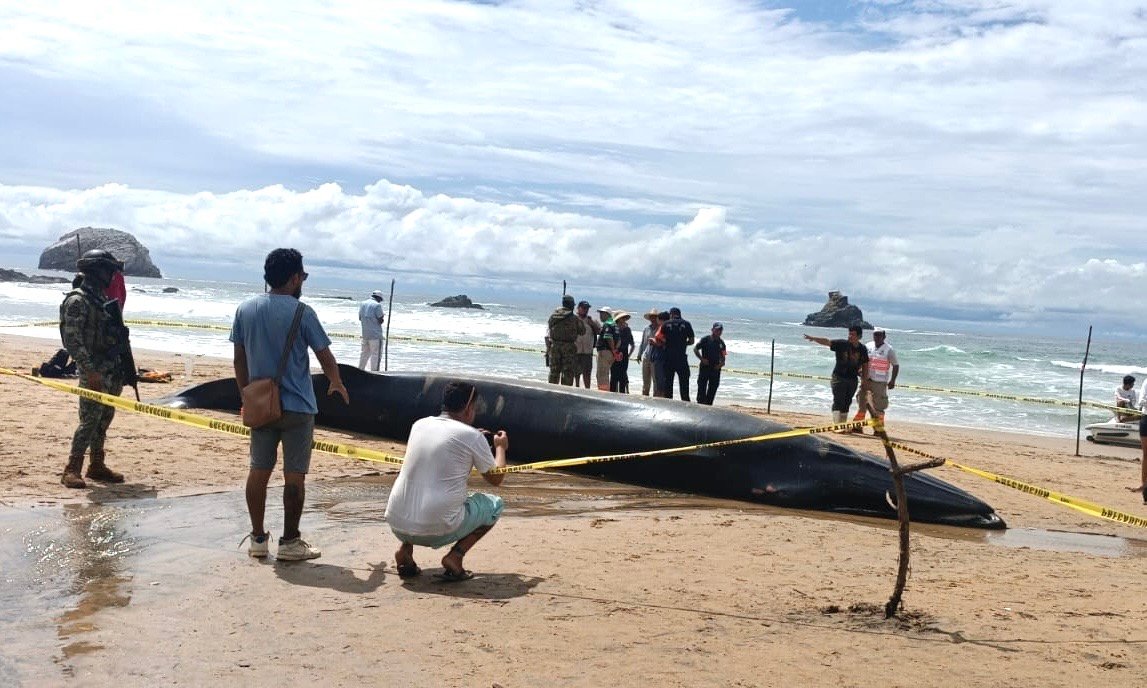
(893, 604)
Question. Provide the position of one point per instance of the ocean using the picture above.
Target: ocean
(947, 377)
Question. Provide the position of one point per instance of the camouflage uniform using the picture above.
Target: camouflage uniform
(564, 328)
(96, 339)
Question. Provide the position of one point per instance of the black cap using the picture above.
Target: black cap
(583, 304)
(675, 311)
(568, 301)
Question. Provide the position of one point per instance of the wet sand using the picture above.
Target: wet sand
(583, 583)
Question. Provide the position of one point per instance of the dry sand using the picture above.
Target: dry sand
(582, 584)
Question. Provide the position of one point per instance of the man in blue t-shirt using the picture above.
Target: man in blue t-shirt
(259, 332)
(371, 317)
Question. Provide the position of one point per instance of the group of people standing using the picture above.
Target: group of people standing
(574, 339)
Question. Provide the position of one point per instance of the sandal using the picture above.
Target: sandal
(449, 576)
(408, 570)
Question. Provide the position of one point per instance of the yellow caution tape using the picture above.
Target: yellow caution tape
(1082, 505)
(736, 371)
(585, 460)
(194, 420)
(923, 388)
(1122, 410)
(199, 421)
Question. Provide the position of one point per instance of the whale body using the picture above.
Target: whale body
(547, 421)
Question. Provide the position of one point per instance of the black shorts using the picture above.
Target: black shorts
(1143, 433)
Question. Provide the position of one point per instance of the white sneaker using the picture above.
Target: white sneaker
(296, 550)
(259, 544)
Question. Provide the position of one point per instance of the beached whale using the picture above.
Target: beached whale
(553, 422)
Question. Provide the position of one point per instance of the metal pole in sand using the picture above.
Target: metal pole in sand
(1079, 406)
(772, 361)
(389, 314)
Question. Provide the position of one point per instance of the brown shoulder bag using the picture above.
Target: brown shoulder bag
(261, 403)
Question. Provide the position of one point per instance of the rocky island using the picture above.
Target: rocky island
(460, 301)
(14, 276)
(837, 312)
(63, 254)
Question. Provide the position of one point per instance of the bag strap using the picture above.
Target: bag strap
(290, 341)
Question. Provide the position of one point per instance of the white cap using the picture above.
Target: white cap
(377, 293)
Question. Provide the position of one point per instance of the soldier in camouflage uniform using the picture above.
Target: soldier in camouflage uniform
(564, 328)
(95, 337)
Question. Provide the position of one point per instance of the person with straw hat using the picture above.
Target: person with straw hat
(643, 351)
(619, 371)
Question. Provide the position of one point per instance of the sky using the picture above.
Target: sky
(966, 159)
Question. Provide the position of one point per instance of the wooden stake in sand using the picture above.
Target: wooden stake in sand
(893, 604)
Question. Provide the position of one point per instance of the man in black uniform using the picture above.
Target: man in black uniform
(678, 334)
(711, 351)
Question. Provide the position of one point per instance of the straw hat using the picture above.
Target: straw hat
(620, 315)
(651, 315)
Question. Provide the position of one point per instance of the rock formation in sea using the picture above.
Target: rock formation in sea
(837, 312)
(62, 255)
(460, 301)
(13, 276)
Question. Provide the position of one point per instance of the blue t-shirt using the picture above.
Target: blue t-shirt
(261, 326)
(369, 312)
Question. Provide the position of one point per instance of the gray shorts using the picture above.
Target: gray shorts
(296, 431)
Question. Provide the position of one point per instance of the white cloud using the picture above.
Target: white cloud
(403, 229)
(991, 151)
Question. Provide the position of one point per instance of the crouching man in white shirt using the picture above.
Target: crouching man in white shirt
(429, 505)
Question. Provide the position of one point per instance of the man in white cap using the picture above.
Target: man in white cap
(883, 367)
(371, 317)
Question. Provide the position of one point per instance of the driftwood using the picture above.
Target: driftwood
(898, 473)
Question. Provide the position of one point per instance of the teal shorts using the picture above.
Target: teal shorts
(481, 510)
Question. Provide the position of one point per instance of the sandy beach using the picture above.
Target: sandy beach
(583, 583)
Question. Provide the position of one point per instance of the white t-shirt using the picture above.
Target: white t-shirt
(880, 361)
(1128, 395)
(430, 491)
(369, 312)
